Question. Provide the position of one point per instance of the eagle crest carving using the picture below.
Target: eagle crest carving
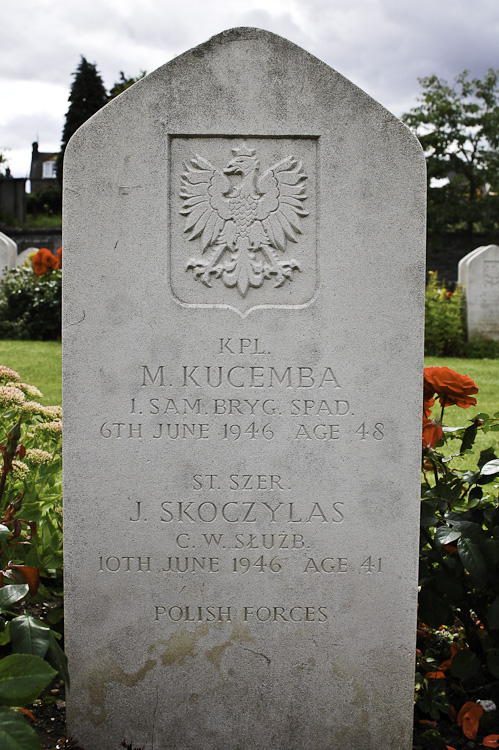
(243, 225)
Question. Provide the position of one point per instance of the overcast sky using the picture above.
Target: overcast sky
(383, 46)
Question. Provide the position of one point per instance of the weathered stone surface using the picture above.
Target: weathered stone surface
(479, 274)
(243, 422)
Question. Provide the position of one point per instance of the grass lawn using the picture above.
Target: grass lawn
(38, 363)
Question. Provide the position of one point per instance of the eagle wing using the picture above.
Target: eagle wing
(280, 207)
(204, 204)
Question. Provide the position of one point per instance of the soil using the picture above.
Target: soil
(50, 726)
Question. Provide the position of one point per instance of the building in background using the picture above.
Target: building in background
(42, 173)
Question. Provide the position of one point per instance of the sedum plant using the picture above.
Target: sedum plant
(30, 551)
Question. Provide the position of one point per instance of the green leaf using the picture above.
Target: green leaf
(472, 558)
(493, 615)
(5, 635)
(490, 468)
(444, 535)
(467, 528)
(469, 437)
(58, 659)
(428, 517)
(476, 493)
(9, 595)
(15, 732)
(22, 678)
(465, 664)
(29, 636)
(493, 661)
(5, 532)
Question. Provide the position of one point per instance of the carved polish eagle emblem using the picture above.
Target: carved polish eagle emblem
(243, 224)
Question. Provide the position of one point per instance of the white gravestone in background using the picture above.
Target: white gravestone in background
(478, 272)
(244, 282)
(8, 253)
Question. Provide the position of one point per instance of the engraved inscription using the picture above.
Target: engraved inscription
(243, 225)
(491, 273)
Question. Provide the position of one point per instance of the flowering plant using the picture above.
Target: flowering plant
(30, 551)
(459, 553)
(30, 298)
(44, 260)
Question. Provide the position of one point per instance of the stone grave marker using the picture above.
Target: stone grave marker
(244, 284)
(8, 253)
(478, 272)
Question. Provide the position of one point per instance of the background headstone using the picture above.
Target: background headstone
(8, 253)
(244, 285)
(23, 256)
(479, 274)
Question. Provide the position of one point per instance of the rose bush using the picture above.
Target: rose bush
(458, 612)
(30, 298)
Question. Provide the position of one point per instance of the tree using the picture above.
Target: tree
(124, 83)
(3, 163)
(87, 96)
(458, 127)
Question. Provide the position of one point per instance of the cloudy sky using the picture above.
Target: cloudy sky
(381, 45)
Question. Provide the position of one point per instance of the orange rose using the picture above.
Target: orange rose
(451, 387)
(431, 433)
(59, 257)
(43, 260)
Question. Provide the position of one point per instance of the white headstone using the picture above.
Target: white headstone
(478, 272)
(24, 255)
(244, 283)
(8, 253)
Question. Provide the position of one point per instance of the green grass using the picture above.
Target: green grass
(43, 222)
(38, 363)
(485, 373)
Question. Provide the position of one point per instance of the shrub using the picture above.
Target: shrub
(459, 553)
(481, 349)
(30, 548)
(30, 299)
(47, 202)
(445, 320)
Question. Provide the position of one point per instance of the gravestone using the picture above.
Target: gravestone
(23, 256)
(8, 253)
(244, 286)
(478, 272)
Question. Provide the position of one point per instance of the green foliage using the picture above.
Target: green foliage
(124, 83)
(458, 127)
(445, 333)
(30, 549)
(47, 202)
(3, 163)
(15, 732)
(30, 305)
(459, 556)
(477, 348)
(87, 96)
(35, 476)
